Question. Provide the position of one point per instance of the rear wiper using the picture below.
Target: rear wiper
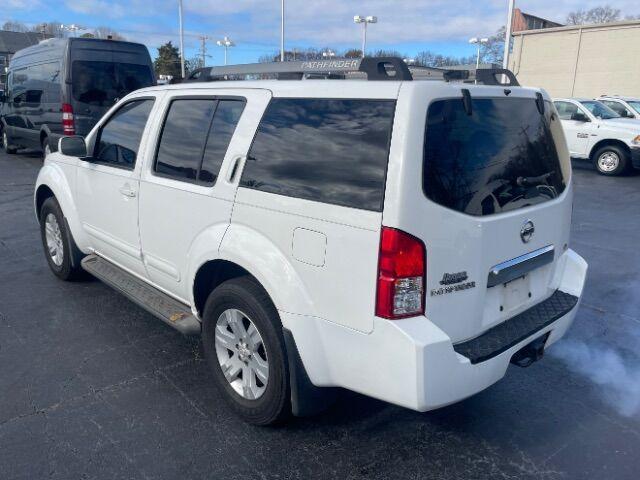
(530, 181)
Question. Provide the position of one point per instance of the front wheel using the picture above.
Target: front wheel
(611, 160)
(60, 250)
(244, 346)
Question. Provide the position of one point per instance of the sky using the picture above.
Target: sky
(442, 26)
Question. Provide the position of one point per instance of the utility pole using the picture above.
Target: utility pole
(181, 38)
(203, 49)
(282, 31)
(507, 34)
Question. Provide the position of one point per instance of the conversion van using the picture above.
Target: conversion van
(64, 86)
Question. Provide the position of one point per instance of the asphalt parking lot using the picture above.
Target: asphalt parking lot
(91, 386)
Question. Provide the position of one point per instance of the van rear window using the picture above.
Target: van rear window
(499, 157)
(102, 83)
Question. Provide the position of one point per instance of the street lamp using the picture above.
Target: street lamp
(226, 42)
(73, 28)
(328, 53)
(478, 42)
(364, 21)
(282, 31)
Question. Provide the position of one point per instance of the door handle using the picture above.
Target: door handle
(236, 164)
(127, 192)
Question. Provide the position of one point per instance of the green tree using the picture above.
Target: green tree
(168, 61)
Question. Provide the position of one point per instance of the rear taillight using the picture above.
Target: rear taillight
(401, 275)
(68, 125)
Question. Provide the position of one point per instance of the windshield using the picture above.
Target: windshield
(600, 110)
(500, 157)
(635, 105)
(102, 83)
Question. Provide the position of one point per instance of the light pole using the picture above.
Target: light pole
(507, 34)
(364, 21)
(282, 31)
(226, 42)
(478, 42)
(181, 38)
(73, 28)
(328, 53)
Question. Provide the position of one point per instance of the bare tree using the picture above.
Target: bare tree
(15, 26)
(493, 50)
(604, 14)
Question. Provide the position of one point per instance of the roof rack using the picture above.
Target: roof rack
(371, 68)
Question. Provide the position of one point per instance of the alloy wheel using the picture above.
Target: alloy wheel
(241, 354)
(53, 235)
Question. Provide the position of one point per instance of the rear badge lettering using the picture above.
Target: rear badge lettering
(452, 283)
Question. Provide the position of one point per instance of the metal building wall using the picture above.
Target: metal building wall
(584, 61)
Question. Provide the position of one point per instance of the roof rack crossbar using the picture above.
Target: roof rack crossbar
(375, 68)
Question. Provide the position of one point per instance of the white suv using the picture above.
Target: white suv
(403, 239)
(597, 133)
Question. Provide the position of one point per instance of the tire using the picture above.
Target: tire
(243, 300)
(63, 256)
(611, 160)
(46, 147)
(6, 143)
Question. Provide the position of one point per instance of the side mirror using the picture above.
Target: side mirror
(580, 117)
(72, 146)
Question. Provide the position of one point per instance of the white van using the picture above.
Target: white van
(405, 239)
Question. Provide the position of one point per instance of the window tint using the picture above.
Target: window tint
(119, 138)
(566, 110)
(326, 150)
(101, 83)
(500, 158)
(224, 124)
(194, 140)
(183, 137)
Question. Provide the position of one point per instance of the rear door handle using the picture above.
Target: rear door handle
(127, 192)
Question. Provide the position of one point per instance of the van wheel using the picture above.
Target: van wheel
(244, 346)
(6, 143)
(611, 160)
(46, 147)
(63, 256)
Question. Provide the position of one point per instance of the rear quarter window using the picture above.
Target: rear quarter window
(326, 150)
(499, 158)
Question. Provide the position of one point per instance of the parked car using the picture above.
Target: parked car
(597, 133)
(404, 239)
(64, 86)
(626, 107)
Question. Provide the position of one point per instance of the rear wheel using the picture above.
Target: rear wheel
(244, 346)
(6, 142)
(611, 160)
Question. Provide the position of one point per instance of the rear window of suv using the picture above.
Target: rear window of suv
(498, 158)
(327, 150)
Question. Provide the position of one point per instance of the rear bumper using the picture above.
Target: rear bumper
(412, 362)
(635, 157)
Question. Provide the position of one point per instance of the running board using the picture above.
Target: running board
(170, 311)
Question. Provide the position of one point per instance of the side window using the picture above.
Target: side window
(327, 150)
(566, 110)
(222, 128)
(195, 137)
(618, 108)
(119, 139)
